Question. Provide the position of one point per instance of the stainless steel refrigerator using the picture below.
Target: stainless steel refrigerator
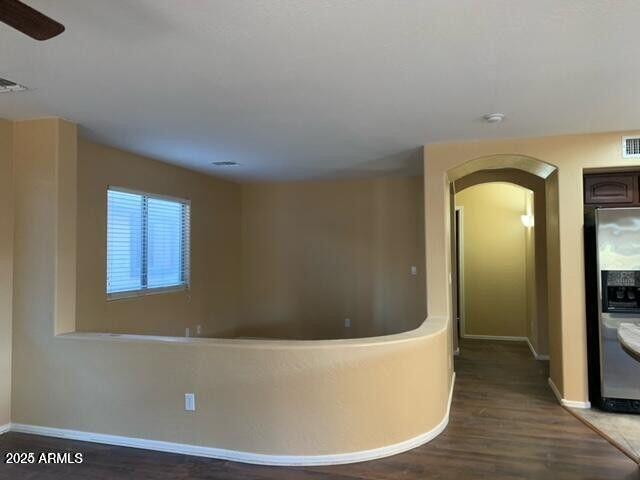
(612, 249)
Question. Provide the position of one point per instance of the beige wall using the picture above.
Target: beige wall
(214, 298)
(286, 260)
(290, 398)
(315, 253)
(497, 261)
(555, 292)
(6, 267)
(570, 154)
(531, 293)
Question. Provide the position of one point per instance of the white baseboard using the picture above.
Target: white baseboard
(576, 404)
(555, 390)
(565, 402)
(238, 456)
(536, 355)
(5, 428)
(494, 337)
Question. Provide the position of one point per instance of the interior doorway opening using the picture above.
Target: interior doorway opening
(496, 265)
(545, 333)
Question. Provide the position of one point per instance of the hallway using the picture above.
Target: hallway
(505, 424)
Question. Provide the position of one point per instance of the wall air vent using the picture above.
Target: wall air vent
(9, 86)
(225, 164)
(631, 147)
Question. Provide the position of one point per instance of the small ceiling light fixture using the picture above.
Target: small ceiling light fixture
(225, 164)
(493, 117)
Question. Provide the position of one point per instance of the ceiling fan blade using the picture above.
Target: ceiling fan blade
(28, 20)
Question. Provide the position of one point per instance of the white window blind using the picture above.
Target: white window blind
(147, 243)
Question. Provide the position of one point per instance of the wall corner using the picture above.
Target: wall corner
(66, 225)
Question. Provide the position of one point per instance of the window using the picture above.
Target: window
(147, 243)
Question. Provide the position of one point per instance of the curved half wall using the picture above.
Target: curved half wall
(258, 401)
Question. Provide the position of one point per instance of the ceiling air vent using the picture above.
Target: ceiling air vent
(631, 147)
(9, 86)
(225, 164)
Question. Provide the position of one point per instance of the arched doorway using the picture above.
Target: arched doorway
(500, 284)
(541, 179)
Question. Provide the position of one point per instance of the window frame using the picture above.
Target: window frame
(143, 292)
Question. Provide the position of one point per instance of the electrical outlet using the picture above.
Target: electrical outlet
(414, 270)
(187, 332)
(347, 323)
(190, 402)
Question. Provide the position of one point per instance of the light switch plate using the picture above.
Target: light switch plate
(190, 402)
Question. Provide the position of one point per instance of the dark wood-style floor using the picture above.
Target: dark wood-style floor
(505, 425)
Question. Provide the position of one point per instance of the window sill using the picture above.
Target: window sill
(111, 297)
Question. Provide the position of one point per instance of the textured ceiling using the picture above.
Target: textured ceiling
(313, 89)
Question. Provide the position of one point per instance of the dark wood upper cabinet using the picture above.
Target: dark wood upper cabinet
(612, 188)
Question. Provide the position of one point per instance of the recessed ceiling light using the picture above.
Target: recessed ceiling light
(225, 164)
(493, 117)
